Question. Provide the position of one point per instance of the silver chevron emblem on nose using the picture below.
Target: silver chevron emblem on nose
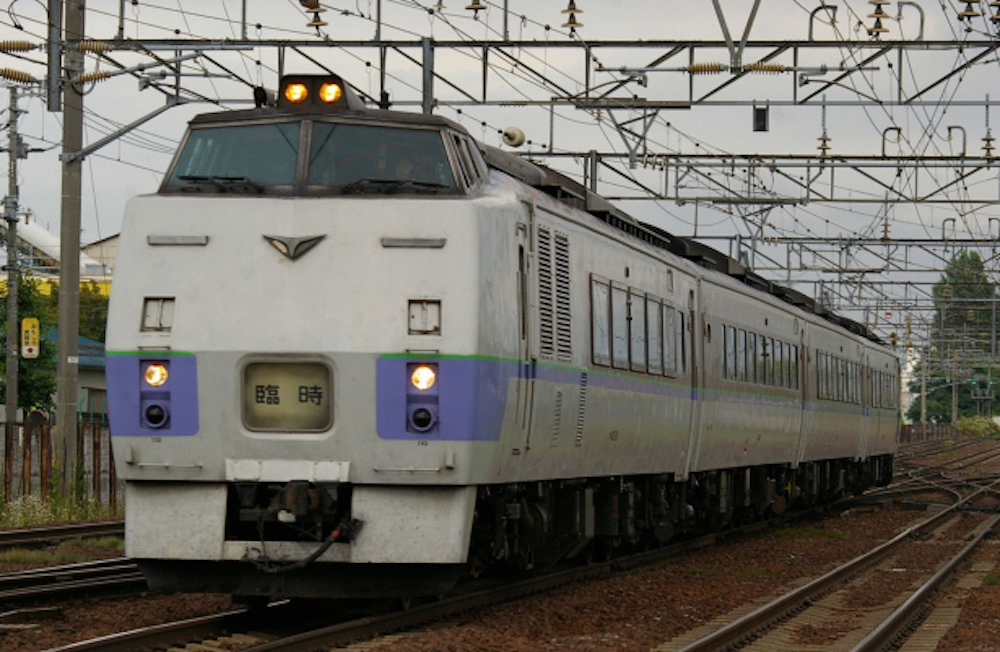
(294, 247)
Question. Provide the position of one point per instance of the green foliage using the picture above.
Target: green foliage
(991, 578)
(978, 427)
(67, 552)
(961, 337)
(36, 377)
(31, 511)
(93, 309)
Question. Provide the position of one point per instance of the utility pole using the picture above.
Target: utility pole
(10, 215)
(67, 368)
(923, 392)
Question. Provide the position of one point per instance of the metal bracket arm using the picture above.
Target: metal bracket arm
(69, 157)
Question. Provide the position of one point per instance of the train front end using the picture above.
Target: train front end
(292, 410)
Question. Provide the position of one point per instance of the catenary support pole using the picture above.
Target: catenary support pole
(67, 367)
(10, 215)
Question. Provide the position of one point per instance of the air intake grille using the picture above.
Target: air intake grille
(545, 308)
(564, 340)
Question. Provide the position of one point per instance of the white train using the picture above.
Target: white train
(356, 353)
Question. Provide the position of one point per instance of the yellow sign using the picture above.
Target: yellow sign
(30, 339)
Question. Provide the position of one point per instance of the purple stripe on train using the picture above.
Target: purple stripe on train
(130, 398)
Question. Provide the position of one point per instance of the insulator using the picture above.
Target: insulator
(705, 68)
(572, 23)
(16, 46)
(764, 67)
(970, 10)
(571, 8)
(877, 28)
(93, 46)
(97, 75)
(16, 75)
(316, 21)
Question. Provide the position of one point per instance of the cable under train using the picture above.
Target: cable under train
(356, 353)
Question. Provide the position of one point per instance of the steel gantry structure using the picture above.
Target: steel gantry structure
(658, 124)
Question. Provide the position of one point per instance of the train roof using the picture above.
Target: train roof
(574, 194)
(378, 115)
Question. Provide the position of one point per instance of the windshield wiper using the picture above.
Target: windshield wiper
(391, 186)
(225, 184)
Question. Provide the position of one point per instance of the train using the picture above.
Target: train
(355, 353)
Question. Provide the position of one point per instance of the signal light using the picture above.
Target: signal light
(296, 92)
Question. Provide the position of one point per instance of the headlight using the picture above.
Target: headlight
(330, 93)
(423, 377)
(155, 374)
(296, 93)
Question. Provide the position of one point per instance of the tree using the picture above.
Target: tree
(93, 309)
(36, 377)
(961, 341)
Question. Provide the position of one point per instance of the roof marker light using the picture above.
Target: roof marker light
(296, 93)
(330, 93)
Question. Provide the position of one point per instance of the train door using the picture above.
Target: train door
(527, 354)
(865, 407)
(806, 390)
(694, 332)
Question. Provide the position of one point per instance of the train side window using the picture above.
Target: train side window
(788, 365)
(470, 152)
(820, 377)
(752, 357)
(761, 359)
(795, 366)
(637, 329)
(729, 353)
(828, 376)
(654, 330)
(619, 327)
(741, 355)
(779, 363)
(681, 366)
(769, 359)
(464, 164)
(600, 306)
(669, 340)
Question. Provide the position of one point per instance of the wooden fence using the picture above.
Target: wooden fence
(27, 461)
(922, 432)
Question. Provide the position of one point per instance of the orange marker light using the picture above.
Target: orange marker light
(296, 93)
(330, 93)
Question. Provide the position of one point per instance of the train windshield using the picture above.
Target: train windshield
(247, 158)
(374, 159)
(340, 159)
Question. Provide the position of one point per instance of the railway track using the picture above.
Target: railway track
(742, 631)
(43, 536)
(94, 578)
(262, 630)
